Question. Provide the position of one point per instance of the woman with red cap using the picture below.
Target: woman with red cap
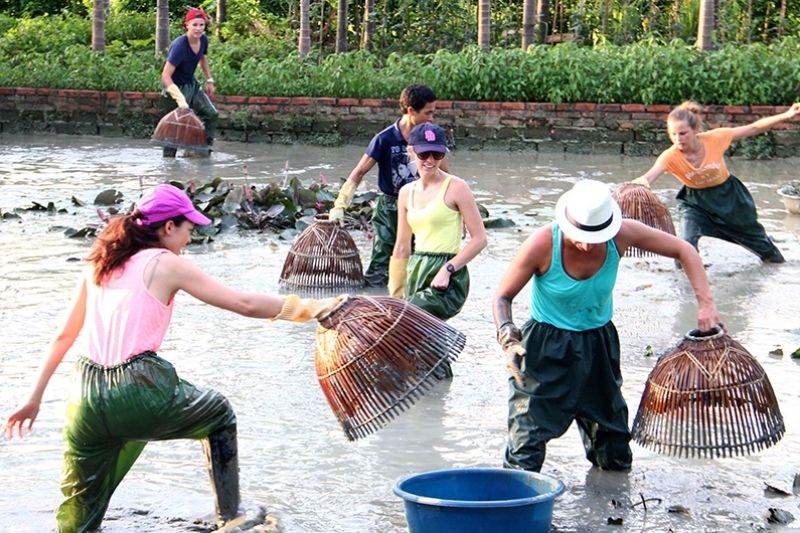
(185, 53)
(124, 394)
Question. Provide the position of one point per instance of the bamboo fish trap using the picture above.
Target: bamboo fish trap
(375, 356)
(708, 397)
(323, 256)
(181, 128)
(639, 203)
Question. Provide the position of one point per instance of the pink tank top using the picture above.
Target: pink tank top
(123, 318)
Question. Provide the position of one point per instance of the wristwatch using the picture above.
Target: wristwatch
(450, 268)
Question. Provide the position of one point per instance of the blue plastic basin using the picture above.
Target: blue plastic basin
(466, 500)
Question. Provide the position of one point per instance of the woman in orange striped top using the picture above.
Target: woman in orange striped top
(715, 203)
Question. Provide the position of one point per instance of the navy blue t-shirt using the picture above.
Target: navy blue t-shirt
(185, 60)
(388, 148)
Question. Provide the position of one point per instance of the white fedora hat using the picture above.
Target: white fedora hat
(587, 213)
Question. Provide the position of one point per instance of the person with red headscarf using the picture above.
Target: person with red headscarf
(183, 56)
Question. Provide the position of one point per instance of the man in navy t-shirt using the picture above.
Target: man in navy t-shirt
(389, 150)
(185, 53)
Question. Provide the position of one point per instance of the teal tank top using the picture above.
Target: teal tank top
(572, 304)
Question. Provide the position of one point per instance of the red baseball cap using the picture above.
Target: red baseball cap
(165, 202)
(195, 13)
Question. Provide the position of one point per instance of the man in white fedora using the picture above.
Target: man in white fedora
(565, 363)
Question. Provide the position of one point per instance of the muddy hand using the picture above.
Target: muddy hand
(16, 421)
(707, 317)
(514, 353)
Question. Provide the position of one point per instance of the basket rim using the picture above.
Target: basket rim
(697, 335)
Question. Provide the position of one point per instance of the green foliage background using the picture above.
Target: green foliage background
(254, 54)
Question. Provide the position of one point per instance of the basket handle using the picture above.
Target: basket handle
(713, 333)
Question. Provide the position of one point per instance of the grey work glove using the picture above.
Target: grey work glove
(510, 338)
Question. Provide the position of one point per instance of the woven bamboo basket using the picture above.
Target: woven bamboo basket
(639, 203)
(375, 356)
(708, 397)
(181, 128)
(323, 256)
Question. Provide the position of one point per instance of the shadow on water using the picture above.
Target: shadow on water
(294, 457)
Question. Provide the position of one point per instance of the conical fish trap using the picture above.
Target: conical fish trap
(375, 356)
(323, 256)
(181, 128)
(708, 397)
(639, 203)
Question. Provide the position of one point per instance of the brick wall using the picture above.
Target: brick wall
(632, 129)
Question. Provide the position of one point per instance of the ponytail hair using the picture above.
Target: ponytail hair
(122, 238)
(688, 112)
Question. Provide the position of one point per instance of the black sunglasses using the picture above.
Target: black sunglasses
(438, 156)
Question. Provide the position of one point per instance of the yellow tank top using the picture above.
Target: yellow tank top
(436, 227)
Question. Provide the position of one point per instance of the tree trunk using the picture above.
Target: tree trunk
(676, 11)
(749, 22)
(222, 14)
(369, 24)
(528, 7)
(162, 26)
(541, 21)
(99, 25)
(782, 19)
(484, 14)
(304, 44)
(705, 24)
(341, 27)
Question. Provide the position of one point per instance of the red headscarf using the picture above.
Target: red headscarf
(195, 13)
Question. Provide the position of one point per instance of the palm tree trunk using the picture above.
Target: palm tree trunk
(369, 24)
(528, 7)
(99, 25)
(484, 15)
(222, 14)
(705, 24)
(162, 26)
(341, 27)
(749, 22)
(541, 21)
(675, 15)
(304, 43)
(782, 19)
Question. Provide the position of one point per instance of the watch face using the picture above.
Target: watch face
(450, 268)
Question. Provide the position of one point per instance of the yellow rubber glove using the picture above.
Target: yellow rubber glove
(176, 94)
(296, 309)
(510, 339)
(641, 181)
(343, 201)
(398, 270)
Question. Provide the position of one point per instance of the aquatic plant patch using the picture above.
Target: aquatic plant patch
(283, 208)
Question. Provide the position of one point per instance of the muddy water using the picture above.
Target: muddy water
(294, 458)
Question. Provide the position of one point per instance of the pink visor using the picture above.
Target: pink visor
(165, 202)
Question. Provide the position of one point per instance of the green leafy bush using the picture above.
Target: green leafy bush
(645, 72)
(45, 34)
(130, 26)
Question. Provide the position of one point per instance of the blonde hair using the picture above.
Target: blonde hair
(688, 112)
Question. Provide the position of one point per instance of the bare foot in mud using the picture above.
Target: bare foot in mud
(252, 519)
